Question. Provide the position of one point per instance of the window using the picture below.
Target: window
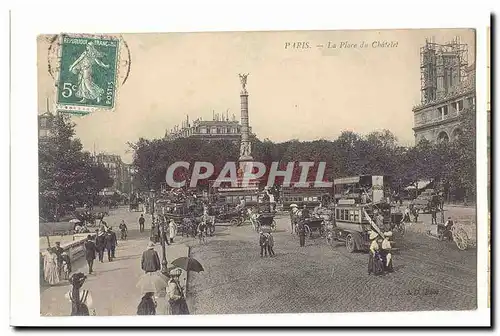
(43, 122)
(471, 101)
(203, 130)
(356, 216)
(351, 215)
(443, 111)
(460, 105)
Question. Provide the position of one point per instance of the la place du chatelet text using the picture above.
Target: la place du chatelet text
(341, 45)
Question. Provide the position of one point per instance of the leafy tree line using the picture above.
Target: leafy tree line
(452, 164)
(68, 176)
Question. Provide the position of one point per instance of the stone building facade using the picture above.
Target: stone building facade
(118, 171)
(448, 90)
(219, 128)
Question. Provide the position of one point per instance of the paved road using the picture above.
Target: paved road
(429, 275)
(113, 286)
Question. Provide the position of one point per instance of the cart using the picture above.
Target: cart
(313, 224)
(460, 233)
(266, 219)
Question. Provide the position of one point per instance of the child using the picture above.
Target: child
(66, 265)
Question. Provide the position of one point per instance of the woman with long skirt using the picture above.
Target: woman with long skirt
(50, 267)
(177, 300)
(147, 306)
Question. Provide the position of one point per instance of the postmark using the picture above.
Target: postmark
(88, 71)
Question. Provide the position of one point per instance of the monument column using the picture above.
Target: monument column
(246, 145)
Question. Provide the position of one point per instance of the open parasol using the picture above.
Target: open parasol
(152, 282)
(188, 264)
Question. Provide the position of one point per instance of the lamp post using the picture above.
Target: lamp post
(162, 235)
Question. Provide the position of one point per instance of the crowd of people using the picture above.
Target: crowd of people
(56, 266)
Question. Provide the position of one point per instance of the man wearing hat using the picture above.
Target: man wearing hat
(150, 261)
(100, 243)
(90, 251)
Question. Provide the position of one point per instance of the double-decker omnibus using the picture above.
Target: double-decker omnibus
(308, 196)
(231, 196)
(357, 200)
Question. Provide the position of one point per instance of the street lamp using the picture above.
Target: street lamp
(162, 234)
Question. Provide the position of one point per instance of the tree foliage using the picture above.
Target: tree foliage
(377, 153)
(67, 174)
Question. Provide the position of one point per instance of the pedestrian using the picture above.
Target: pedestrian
(150, 261)
(301, 229)
(177, 300)
(100, 242)
(172, 230)
(110, 243)
(293, 217)
(42, 277)
(270, 244)
(305, 212)
(81, 300)
(375, 264)
(141, 223)
(263, 242)
(50, 267)
(123, 230)
(90, 251)
(148, 304)
(434, 215)
(59, 251)
(406, 217)
(66, 265)
(386, 252)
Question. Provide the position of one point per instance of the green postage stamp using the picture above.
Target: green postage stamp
(87, 74)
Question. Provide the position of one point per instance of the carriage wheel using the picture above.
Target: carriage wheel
(460, 238)
(350, 244)
(234, 222)
(307, 229)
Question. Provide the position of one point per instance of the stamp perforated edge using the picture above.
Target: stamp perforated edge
(81, 110)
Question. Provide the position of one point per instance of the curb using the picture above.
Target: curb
(187, 273)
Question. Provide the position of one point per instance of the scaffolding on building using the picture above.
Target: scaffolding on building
(443, 67)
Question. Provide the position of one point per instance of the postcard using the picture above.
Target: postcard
(257, 172)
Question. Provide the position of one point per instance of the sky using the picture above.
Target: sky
(294, 92)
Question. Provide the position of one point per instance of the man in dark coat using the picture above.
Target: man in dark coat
(141, 223)
(100, 243)
(111, 243)
(302, 233)
(90, 251)
(150, 261)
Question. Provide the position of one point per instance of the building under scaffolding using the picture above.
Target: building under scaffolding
(447, 85)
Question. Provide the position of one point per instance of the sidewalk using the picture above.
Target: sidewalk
(113, 286)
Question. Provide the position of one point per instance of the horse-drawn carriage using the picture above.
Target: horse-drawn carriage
(262, 216)
(234, 216)
(463, 235)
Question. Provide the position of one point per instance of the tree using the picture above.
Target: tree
(67, 175)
